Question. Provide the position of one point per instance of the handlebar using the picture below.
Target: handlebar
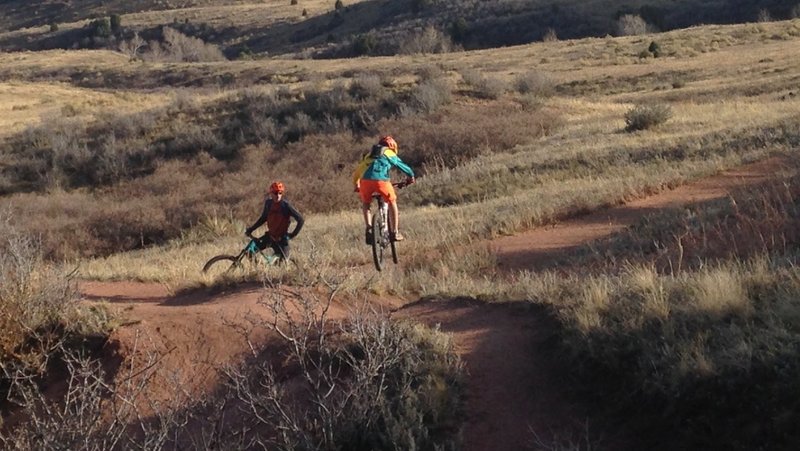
(404, 183)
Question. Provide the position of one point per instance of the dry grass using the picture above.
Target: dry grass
(24, 104)
(585, 164)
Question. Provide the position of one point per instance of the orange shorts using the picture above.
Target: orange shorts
(384, 187)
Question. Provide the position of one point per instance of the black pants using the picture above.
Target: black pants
(280, 247)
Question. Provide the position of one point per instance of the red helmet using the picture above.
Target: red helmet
(389, 142)
(277, 188)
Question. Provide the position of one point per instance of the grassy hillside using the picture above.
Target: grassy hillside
(306, 117)
(315, 28)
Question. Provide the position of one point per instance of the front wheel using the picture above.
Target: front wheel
(220, 264)
(394, 251)
(392, 243)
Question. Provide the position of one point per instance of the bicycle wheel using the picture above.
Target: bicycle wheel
(377, 239)
(221, 264)
(392, 242)
(394, 250)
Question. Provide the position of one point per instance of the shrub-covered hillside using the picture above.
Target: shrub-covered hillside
(315, 28)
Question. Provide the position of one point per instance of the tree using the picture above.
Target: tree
(115, 23)
(630, 25)
(459, 30)
(100, 27)
(132, 47)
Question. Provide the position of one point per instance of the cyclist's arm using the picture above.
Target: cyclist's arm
(297, 217)
(360, 169)
(399, 164)
(260, 221)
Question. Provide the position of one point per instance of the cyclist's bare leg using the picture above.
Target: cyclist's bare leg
(365, 209)
(394, 217)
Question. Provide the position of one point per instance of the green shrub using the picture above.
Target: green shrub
(100, 27)
(459, 29)
(654, 48)
(115, 22)
(643, 117)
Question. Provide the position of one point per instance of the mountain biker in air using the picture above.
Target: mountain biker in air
(277, 214)
(372, 176)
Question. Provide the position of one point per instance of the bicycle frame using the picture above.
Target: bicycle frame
(250, 251)
(380, 227)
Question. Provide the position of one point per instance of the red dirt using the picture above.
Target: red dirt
(514, 385)
(534, 249)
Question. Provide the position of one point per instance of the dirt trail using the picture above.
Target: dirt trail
(514, 385)
(534, 249)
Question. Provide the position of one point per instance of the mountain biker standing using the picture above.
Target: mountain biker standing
(277, 214)
(372, 176)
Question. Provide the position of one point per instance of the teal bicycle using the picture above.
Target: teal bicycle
(251, 252)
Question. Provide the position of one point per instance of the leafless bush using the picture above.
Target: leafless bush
(764, 16)
(550, 35)
(430, 72)
(459, 134)
(536, 83)
(631, 25)
(88, 411)
(471, 77)
(35, 301)
(643, 117)
(367, 383)
(482, 86)
(367, 86)
(429, 95)
(132, 47)
(427, 40)
(179, 47)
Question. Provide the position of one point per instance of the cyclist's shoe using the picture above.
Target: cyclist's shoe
(396, 236)
(369, 236)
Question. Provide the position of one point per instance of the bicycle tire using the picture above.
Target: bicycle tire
(392, 243)
(213, 262)
(394, 250)
(377, 239)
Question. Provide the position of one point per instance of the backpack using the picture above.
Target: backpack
(377, 151)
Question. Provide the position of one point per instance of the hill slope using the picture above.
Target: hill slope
(316, 28)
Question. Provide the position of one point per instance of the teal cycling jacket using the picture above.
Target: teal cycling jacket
(370, 168)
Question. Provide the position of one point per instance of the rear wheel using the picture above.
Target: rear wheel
(377, 239)
(221, 264)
